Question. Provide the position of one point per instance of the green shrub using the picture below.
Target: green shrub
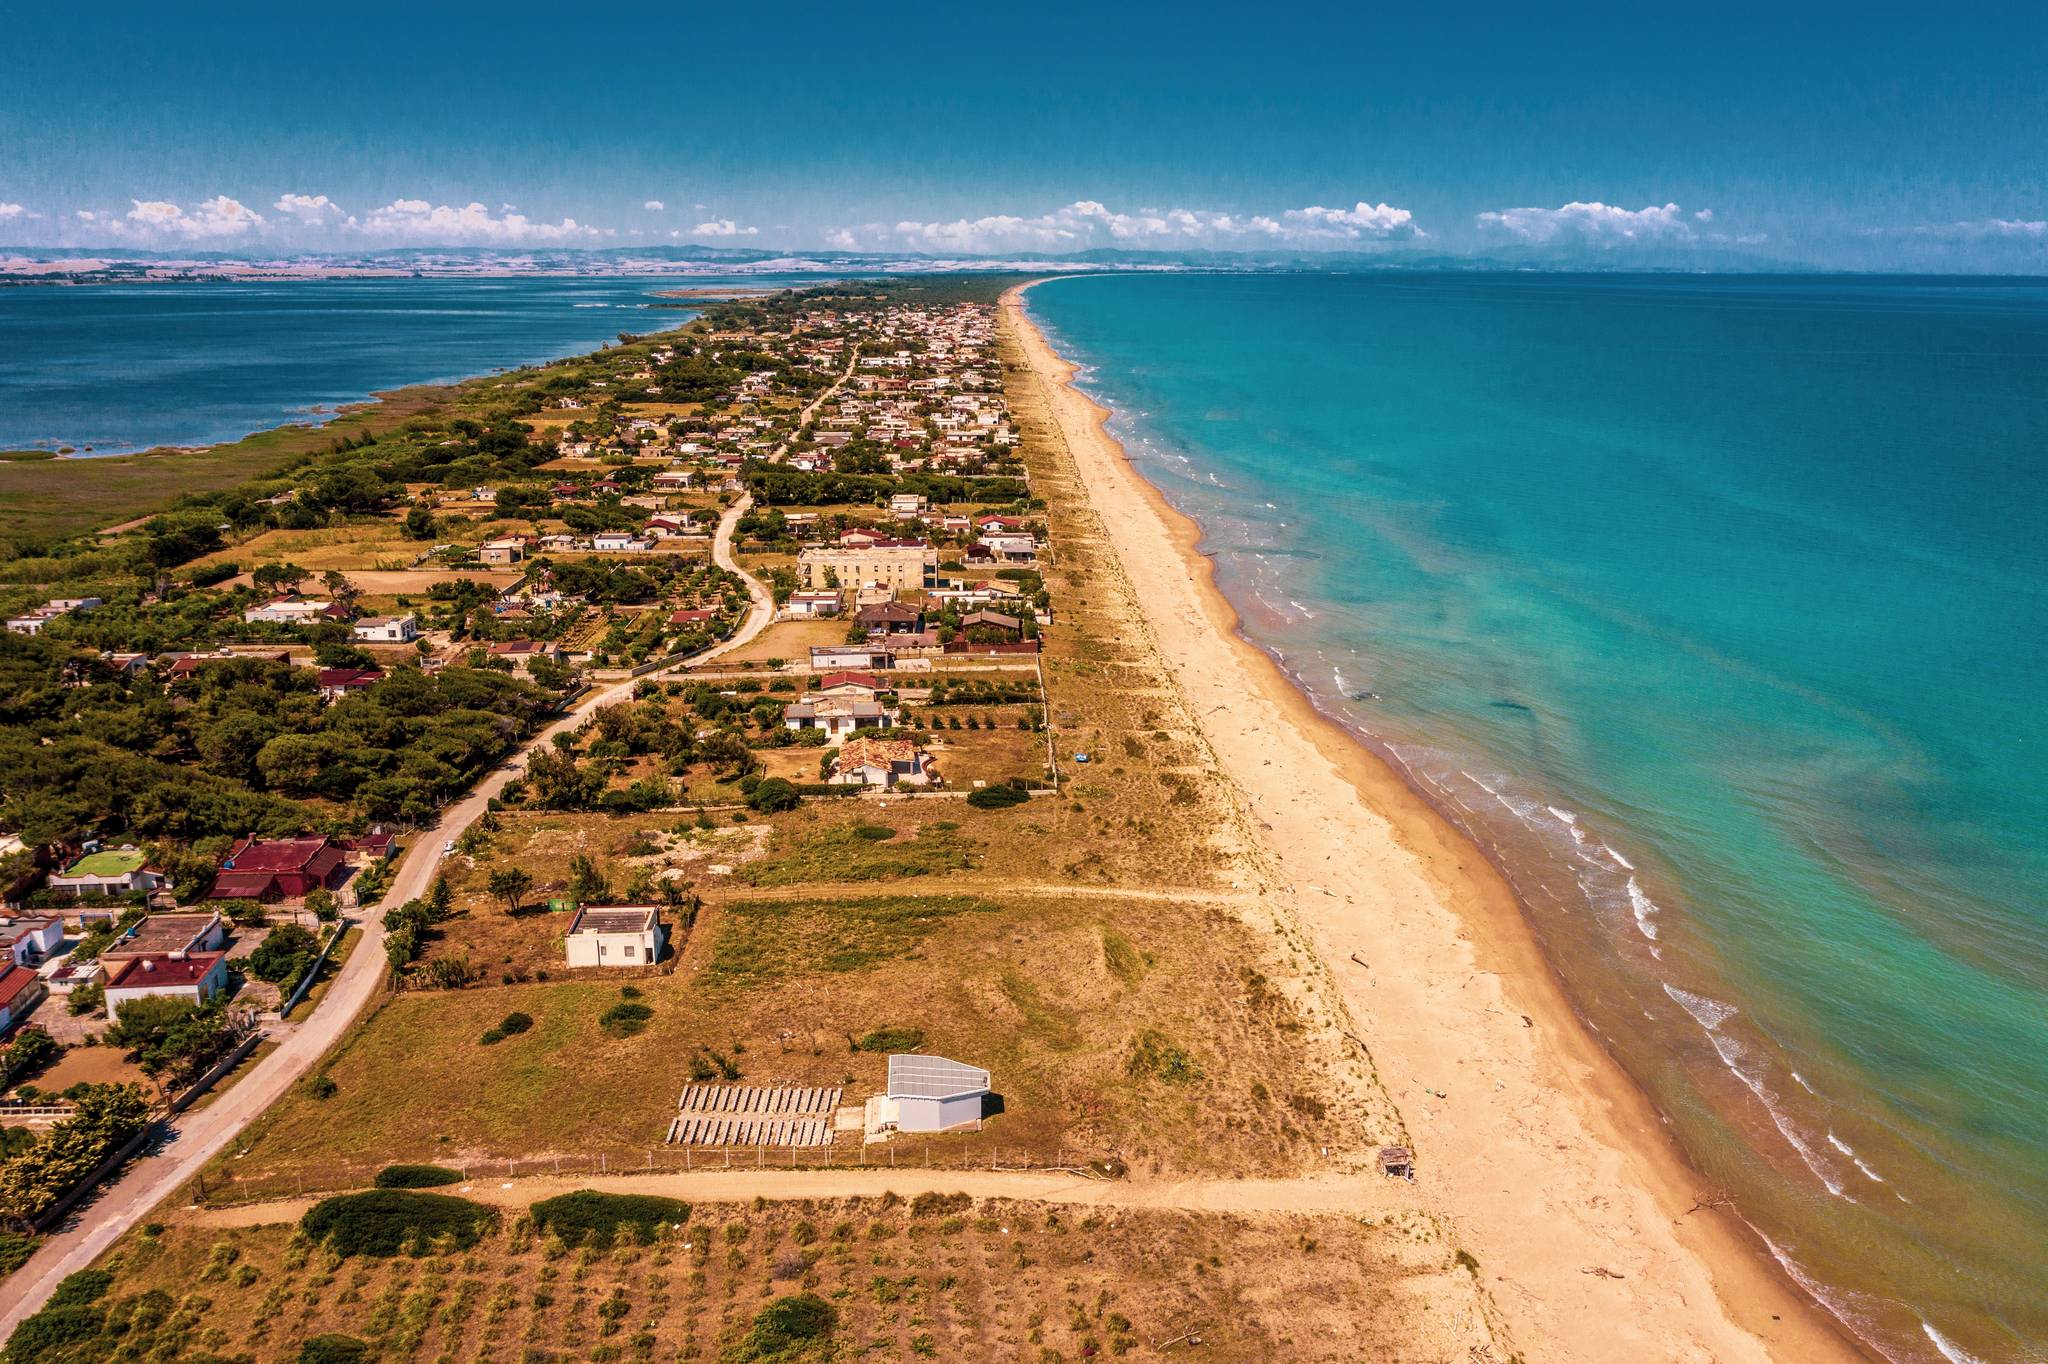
(891, 1039)
(321, 1086)
(874, 833)
(587, 1217)
(776, 793)
(82, 1289)
(514, 1024)
(15, 1249)
(784, 1326)
(380, 1222)
(996, 797)
(625, 1019)
(1154, 1055)
(49, 1331)
(416, 1177)
(333, 1349)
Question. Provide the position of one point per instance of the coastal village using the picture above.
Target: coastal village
(736, 752)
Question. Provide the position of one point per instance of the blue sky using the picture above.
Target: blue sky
(1878, 134)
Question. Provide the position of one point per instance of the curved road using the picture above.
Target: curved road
(199, 1135)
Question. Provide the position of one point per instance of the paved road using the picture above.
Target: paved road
(197, 1136)
(762, 614)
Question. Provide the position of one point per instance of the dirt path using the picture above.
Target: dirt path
(1297, 1197)
(812, 890)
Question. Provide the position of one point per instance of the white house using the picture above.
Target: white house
(388, 629)
(619, 542)
(32, 622)
(615, 935)
(197, 976)
(292, 611)
(929, 1094)
(29, 942)
(109, 871)
(811, 605)
(838, 716)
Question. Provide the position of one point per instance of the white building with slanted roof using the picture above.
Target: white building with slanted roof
(929, 1094)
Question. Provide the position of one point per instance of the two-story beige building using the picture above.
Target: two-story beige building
(902, 565)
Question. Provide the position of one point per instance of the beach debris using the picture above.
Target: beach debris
(1187, 1337)
(1602, 1272)
(1361, 961)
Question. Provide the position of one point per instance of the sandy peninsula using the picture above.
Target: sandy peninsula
(1555, 1170)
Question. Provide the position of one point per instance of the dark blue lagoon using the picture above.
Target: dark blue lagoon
(126, 367)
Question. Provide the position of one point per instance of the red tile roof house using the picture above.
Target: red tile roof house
(882, 762)
(20, 990)
(277, 868)
(863, 685)
(197, 976)
(374, 846)
(336, 683)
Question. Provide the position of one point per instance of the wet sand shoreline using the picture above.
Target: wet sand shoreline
(1554, 1166)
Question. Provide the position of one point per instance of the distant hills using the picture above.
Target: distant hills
(19, 265)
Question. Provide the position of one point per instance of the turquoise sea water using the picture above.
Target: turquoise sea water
(125, 367)
(1718, 610)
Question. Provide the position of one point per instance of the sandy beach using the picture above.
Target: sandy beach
(1555, 1170)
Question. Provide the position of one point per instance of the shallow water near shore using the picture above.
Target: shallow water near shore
(1714, 609)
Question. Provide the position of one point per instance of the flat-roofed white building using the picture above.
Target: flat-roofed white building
(388, 629)
(615, 935)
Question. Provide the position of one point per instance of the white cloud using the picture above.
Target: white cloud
(1988, 229)
(1705, 215)
(9, 212)
(1088, 223)
(217, 217)
(654, 206)
(1592, 223)
(311, 210)
(473, 224)
(1356, 223)
(842, 239)
(723, 227)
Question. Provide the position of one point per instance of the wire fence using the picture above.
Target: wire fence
(240, 1185)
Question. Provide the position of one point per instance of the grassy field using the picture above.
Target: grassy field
(936, 1277)
(43, 500)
